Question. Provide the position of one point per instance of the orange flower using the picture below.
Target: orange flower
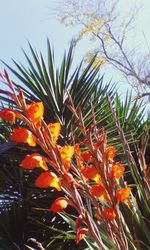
(34, 160)
(80, 234)
(99, 191)
(54, 130)
(110, 150)
(82, 156)
(91, 173)
(59, 204)
(86, 156)
(109, 213)
(48, 179)
(117, 170)
(35, 112)
(123, 193)
(66, 153)
(23, 135)
(8, 115)
(100, 142)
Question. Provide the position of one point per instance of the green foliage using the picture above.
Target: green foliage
(51, 85)
(24, 215)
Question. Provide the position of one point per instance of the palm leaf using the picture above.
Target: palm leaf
(43, 81)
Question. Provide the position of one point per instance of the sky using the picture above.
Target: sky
(31, 20)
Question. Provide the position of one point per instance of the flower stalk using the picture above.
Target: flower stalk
(86, 171)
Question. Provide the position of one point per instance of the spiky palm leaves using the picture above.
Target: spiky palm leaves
(52, 86)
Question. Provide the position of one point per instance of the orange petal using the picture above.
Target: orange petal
(123, 193)
(99, 191)
(117, 170)
(80, 234)
(23, 135)
(48, 179)
(110, 150)
(55, 130)
(89, 172)
(86, 156)
(109, 213)
(66, 153)
(8, 115)
(34, 160)
(35, 111)
(59, 204)
(100, 142)
(31, 140)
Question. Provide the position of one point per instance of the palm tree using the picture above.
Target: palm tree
(20, 218)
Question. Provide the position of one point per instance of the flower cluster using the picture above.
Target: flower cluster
(103, 175)
(84, 170)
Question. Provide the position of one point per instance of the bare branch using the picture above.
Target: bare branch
(132, 64)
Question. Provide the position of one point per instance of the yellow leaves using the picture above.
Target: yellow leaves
(107, 36)
(94, 26)
(99, 60)
(91, 14)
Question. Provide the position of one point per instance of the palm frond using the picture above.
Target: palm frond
(41, 80)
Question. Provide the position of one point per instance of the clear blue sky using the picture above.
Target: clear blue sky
(21, 21)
